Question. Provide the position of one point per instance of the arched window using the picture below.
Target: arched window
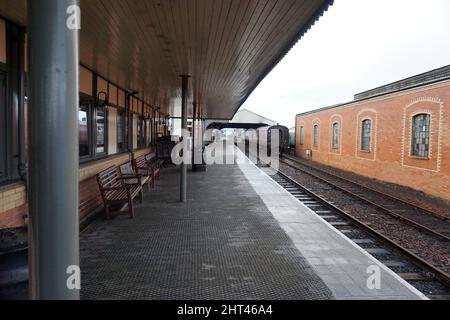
(336, 135)
(420, 139)
(301, 135)
(316, 135)
(366, 132)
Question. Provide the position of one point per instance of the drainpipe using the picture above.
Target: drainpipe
(22, 164)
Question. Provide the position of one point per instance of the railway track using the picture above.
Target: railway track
(416, 216)
(426, 277)
(431, 279)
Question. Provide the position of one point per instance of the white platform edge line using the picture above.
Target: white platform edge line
(368, 255)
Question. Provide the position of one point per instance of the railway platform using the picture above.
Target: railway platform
(239, 236)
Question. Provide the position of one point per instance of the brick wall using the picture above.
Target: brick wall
(90, 197)
(13, 203)
(389, 158)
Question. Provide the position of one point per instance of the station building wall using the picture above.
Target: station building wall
(389, 157)
(102, 150)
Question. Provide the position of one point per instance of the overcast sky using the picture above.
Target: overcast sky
(357, 45)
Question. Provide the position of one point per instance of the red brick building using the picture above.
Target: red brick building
(398, 133)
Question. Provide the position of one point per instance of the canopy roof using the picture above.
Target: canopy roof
(226, 46)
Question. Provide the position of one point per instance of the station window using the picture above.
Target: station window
(3, 41)
(301, 135)
(3, 149)
(336, 129)
(91, 129)
(366, 131)
(100, 122)
(83, 128)
(140, 135)
(9, 102)
(149, 132)
(421, 135)
(316, 135)
(121, 145)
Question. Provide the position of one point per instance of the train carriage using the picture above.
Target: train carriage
(264, 137)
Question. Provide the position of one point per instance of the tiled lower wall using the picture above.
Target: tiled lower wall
(13, 198)
(12, 205)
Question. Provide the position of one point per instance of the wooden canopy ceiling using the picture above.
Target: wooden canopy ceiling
(226, 46)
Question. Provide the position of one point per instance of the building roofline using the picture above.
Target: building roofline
(367, 97)
(254, 113)
(435, 75)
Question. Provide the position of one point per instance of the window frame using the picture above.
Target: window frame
(149, 132)
(140, 135)
(336, 136)
(92, 129)
(84, 98)
(363, 137)
(302, 135)
(105, 132)
(124, 135)
(4, 154)
(316, 135)
(428, 116)
(9, 108)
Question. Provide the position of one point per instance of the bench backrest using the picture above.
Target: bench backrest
(127, 168)
(140, 162)
(109, 178)
(150, 157)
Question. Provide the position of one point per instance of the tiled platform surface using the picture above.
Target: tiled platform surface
(240, 236)
(223, 244)
(340, 263)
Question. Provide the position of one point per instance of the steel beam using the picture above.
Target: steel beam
(53, 172)
(183, 180)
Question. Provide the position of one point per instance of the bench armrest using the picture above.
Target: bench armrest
(130, 176)
(148, 166)
(138, 178)
(114, 188)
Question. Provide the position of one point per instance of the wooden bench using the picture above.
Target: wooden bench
(114, 190)
(155, 163)
(146, 177)
(142, 165)
(164, 150)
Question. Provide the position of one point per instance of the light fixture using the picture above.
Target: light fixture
(105, 103)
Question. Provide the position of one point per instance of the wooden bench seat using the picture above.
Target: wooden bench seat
(115, 190)
(155, 163)
(127, 170)
(144, 166)
(119, 194)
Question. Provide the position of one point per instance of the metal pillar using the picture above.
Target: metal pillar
(53, 187)
(194, 128)
(183, 180)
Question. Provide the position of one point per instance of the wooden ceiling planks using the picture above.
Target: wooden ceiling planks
(14, 10)
(227, 46)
